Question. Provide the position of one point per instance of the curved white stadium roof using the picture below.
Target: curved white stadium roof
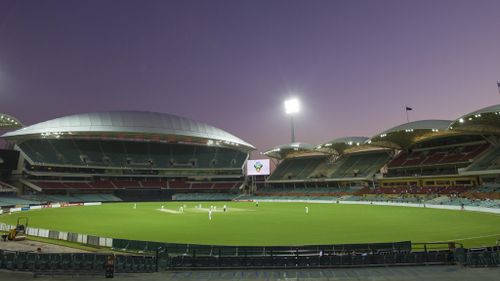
(137, 122)
(407, 134)
(420, 125)
(483, 121)
(282, 151)
(9, 122)
(341, 145)
(347, 140)
(488, 109)
(294, 146)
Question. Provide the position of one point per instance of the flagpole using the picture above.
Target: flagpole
(407, 116)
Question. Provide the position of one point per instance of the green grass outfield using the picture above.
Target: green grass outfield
(269, 223)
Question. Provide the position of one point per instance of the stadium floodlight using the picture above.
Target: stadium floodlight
(292, 106)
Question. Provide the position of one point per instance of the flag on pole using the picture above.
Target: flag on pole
(498, 85)
(407, 108)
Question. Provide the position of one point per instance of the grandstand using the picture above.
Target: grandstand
(84, 156)
(357, 165)
(442, 156)
(345, 159)
(296, 168)
(137, 155)
(426, 158)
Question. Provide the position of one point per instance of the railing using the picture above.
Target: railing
(185, 256)
(305, 259)
(218, 257)
(480, 257)
(190, 249)
(319, 257)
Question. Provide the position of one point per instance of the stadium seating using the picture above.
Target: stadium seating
(113, 152)
(310, 190)
(203, 196)
(130, 154)
(201, 185)
(16, 201)
(102, 185)
(359, 165)
(490, 187)
(226, 185)
(491, 161)
(420, 190)
(153, 183)
(137, 154)
(356, 165)
(6, 188)
(50, 185)
(178, 184)
(296, 168)
(486, 196)
(126, 184)
(78, 185)
(137, 184)
(486, 192)
(439, 155)
(98, 197)
(304, 193)
(439, 200)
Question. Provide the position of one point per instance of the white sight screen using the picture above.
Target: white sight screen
(259, 167)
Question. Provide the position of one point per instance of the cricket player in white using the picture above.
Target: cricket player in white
(225, 208)
(307, 210)
(210, 215)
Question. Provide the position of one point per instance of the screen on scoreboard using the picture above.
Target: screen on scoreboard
(258, 167)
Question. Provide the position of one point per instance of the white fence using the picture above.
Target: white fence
(60, 235)
(51, 206)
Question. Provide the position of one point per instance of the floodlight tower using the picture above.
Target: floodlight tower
(292, 106)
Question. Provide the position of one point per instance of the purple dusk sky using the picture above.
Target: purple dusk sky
(354, 64)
